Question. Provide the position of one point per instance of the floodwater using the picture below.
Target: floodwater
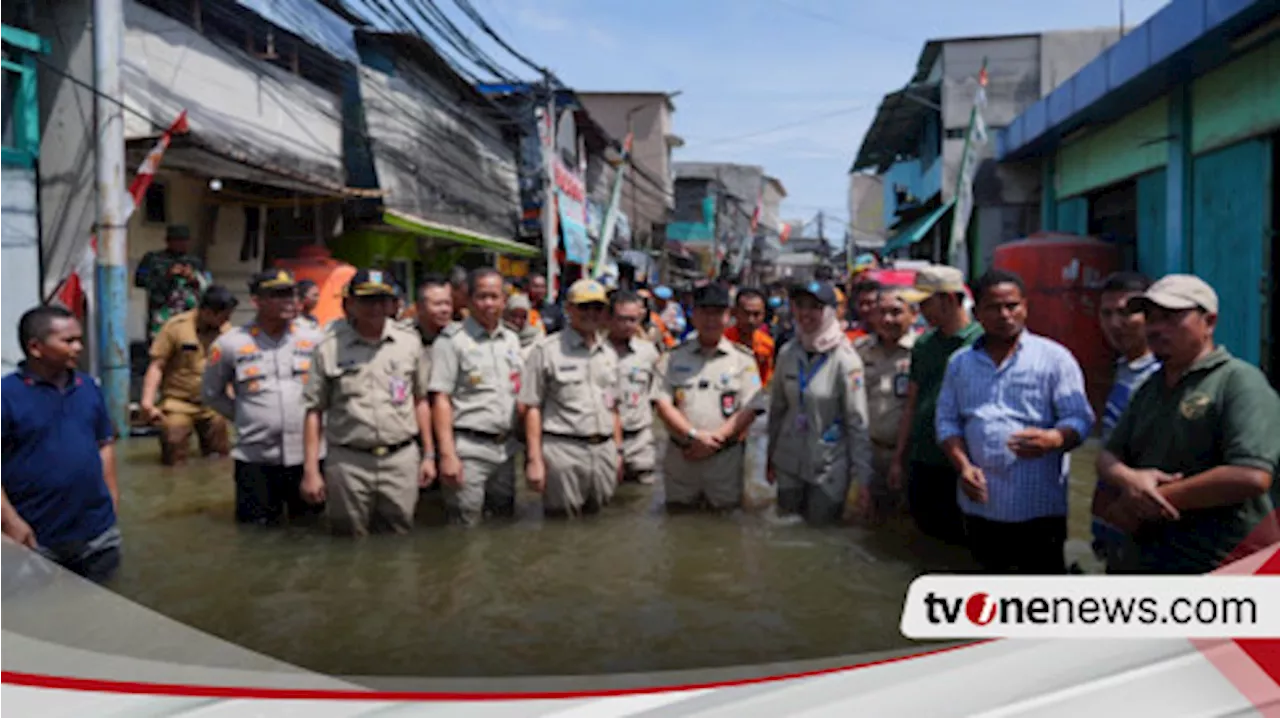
(631, 589)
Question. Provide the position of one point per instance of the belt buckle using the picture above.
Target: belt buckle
(501, 438)
(379, 451)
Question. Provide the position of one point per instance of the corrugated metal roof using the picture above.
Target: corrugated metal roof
(311, 21)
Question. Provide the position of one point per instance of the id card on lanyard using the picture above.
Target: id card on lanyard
(804, 377)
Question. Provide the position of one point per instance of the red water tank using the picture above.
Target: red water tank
(329, 274)
(1063, 274)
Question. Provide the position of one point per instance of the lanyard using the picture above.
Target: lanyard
(805, 377)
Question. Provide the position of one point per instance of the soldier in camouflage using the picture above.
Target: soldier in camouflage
(173, 277)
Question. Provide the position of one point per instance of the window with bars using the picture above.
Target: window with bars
(21, 98)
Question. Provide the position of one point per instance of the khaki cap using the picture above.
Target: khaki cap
(934, 279)
(587, 291)
(518, 302)
(1179, 291)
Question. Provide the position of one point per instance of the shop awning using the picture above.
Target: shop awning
(916, 229)
(427, 228)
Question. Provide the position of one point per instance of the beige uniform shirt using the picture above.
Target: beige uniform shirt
(888, 369)
(575, 387)
(367, 387)
(708, 387)
(269, 377)
(480, 371)
(184, 351)
(827, 431)
(637, 362)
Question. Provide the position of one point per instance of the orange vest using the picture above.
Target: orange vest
(761, 347)
(668, 340)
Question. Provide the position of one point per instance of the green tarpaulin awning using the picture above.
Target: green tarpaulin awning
(425, 227)
(916, 229)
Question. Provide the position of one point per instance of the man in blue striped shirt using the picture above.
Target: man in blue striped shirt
(1125, 329)
(1011, 407)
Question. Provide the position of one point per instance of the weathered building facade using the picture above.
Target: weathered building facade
(917, 138)
(1168, 145)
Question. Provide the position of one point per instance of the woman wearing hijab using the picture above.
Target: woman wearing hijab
(818, 440)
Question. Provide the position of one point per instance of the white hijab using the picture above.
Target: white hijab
(828, 336)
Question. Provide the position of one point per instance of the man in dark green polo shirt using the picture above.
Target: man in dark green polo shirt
(930, 477)
(1195, 453)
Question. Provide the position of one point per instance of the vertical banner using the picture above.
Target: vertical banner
(975, 139)
(571, 201)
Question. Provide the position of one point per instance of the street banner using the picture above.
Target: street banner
(975, 139)
(571, 201)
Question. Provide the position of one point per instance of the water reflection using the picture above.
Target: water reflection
(630, 590)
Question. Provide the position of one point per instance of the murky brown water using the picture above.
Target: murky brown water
(629, 590)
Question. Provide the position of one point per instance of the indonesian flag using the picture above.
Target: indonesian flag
(784, 233)
(76, 290)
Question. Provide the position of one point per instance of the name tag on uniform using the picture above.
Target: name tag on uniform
(190, 347)
(399, 391)
(900, 383)
(802, 423)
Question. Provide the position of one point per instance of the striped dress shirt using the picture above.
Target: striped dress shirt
(1039, 385)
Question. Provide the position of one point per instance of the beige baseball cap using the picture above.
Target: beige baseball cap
(934, 279)
(1179, 291)
(519, 301)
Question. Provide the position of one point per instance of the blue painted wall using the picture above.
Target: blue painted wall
(1152, 210)
(1231, 217)
(1073, 216)
(703, 232)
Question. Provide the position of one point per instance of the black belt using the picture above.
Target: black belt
(633, 434)
(592, 440)
(380, 450)
(500, 438)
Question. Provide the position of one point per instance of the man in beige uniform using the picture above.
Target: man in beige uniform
(475, 374)
(886, 360)
(637, 361)
(267, 362)
(369, 382)
(178, 355)
(707, 393)
(568, 393)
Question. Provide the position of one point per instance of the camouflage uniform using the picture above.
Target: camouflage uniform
(168, 296)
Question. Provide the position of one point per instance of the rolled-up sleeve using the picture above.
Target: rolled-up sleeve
(218, 372)
(947, 420)
(1070, 401)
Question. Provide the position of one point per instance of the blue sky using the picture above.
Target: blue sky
(747, 66)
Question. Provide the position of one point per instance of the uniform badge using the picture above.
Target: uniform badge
(252, 371)
(635, 398)
(304, 365)
(247, 348)
(304, 344)
(215, 354)
(904, 366)
(399, 390)
(855, 378)
(729, 403)
(515, 382)
(1194, 405)
(900, 383)
(474, 378)
(678, 395)
(253, 387)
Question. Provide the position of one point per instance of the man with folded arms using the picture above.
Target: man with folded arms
(1195, 453)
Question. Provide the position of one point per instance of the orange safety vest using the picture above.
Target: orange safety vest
(761, 347)
(667, 339)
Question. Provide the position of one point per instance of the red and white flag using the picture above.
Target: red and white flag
(76, 290)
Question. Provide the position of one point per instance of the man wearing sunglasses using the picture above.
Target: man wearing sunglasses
(266, 363)
(569, 396)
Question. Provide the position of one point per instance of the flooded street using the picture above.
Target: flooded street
(629, 590)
